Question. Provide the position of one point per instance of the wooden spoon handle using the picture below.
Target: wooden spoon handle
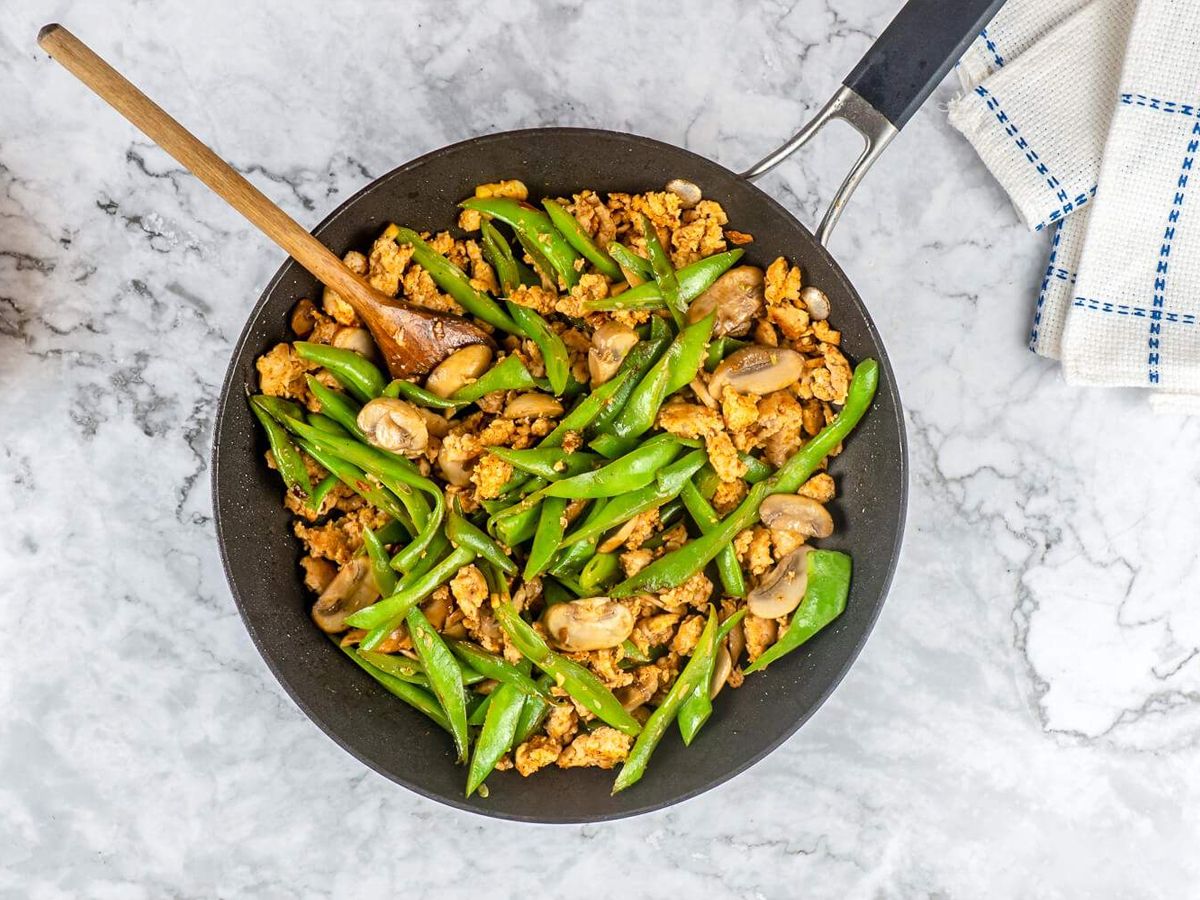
(112, 87)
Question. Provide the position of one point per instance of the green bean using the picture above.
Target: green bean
(677, 366)
(694, 280)
(824, 600)
(602, 571)
(632, 262)
(337, 406)
(570, 228)
(454, 281)
(397, 666)
(411, 593)
(515, 529)
(462, 533)
(288, 460)
(533, 713)
(548, 463)
(636, 364)
(634, 470)
(393, 532)
(656, 726)
(381, 570)
(444, 674)
(665, 487)
(416, 394)
(630, 651)
(489, 665)
(477, 709)
(589, 409)
(553, 592)
(359, 482)
(547, 537)
(355, 373)
(676, 567)
(498, 252)
(697, 706)
(532, 228)
(664, 271)
(321, 491)
(706, 520)
(496, 737)
(719, 349)
(508, 375)
(577, 681)
(411, 694)
(574, 554)
(554, 351)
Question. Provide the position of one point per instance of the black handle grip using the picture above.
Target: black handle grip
(915, 52)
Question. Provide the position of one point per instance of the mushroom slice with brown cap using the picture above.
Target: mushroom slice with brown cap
(610, 344)
(351, 589)
(532, 406)
(459, 369)
(394, 425)
(593, 623)
(801, 516)
(757, 370)
(781, 589)
(736, 298)
(722, 669)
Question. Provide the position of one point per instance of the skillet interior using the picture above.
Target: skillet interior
(260, 554)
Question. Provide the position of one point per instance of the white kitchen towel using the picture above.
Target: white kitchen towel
(1016, 28)
(1039, 123)
(1135, 318)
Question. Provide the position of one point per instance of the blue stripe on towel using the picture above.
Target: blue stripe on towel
(991, 45)
(1051, 268)
(1137, 312)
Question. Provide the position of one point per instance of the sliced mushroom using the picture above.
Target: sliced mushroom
(757, 370)
(781, 589)
(356, 339)
(453, 468)
(394, 425)
(799, 515)
(618, 537)
(304, 318)
(594, 623)
(722, 668)
(532, 406)
(351, 590)
(736, 297)
(689, 194)
(816, 302)
(437, 424)
(610, 344)
(634, 695)
(459, 369)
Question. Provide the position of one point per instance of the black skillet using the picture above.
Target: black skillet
(260, 553)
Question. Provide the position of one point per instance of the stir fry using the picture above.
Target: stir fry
(560, 545)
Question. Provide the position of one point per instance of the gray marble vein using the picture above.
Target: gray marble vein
(1024, 721)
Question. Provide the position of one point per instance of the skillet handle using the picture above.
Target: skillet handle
(889, 84)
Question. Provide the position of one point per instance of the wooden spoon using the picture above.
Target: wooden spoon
(413, 340)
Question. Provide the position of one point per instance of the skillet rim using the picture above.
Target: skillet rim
(887, 382)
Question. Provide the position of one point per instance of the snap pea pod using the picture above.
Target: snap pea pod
(508, 375)
(636, 364)
(677, 366)
(577, 681)
(533, 713)
(697, 706)
(414, 393)
(634, 470)
(453, 280)
(326, 424)
(707, 481)
(664, 271)
(548, 463)
(660, 720)
(532, 227)
(546, 538)
(434, 554)
(824, 600)
(355, 373)
(381, 569)
(545, 272)
(504, 707)
(288, 460)
(569, 227)
(337, 406)
(590, 408)
(462, 533)
(516, 529)
(393, 532)
(720, 348)
(444, 674)
(573, 555)
(414, 696)
(397, 666)
(694, 279)
(489, 665)
(413, 592)
(321, 491)
(665, 487)
(668, 515)
(477, 709)
(554, 351)
(359, 482)
(498, 252)
(553, 592)
(674, 568)
(706, 520)
(627, 259)
(602, 571)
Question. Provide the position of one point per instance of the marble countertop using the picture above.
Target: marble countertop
(1024, 720)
